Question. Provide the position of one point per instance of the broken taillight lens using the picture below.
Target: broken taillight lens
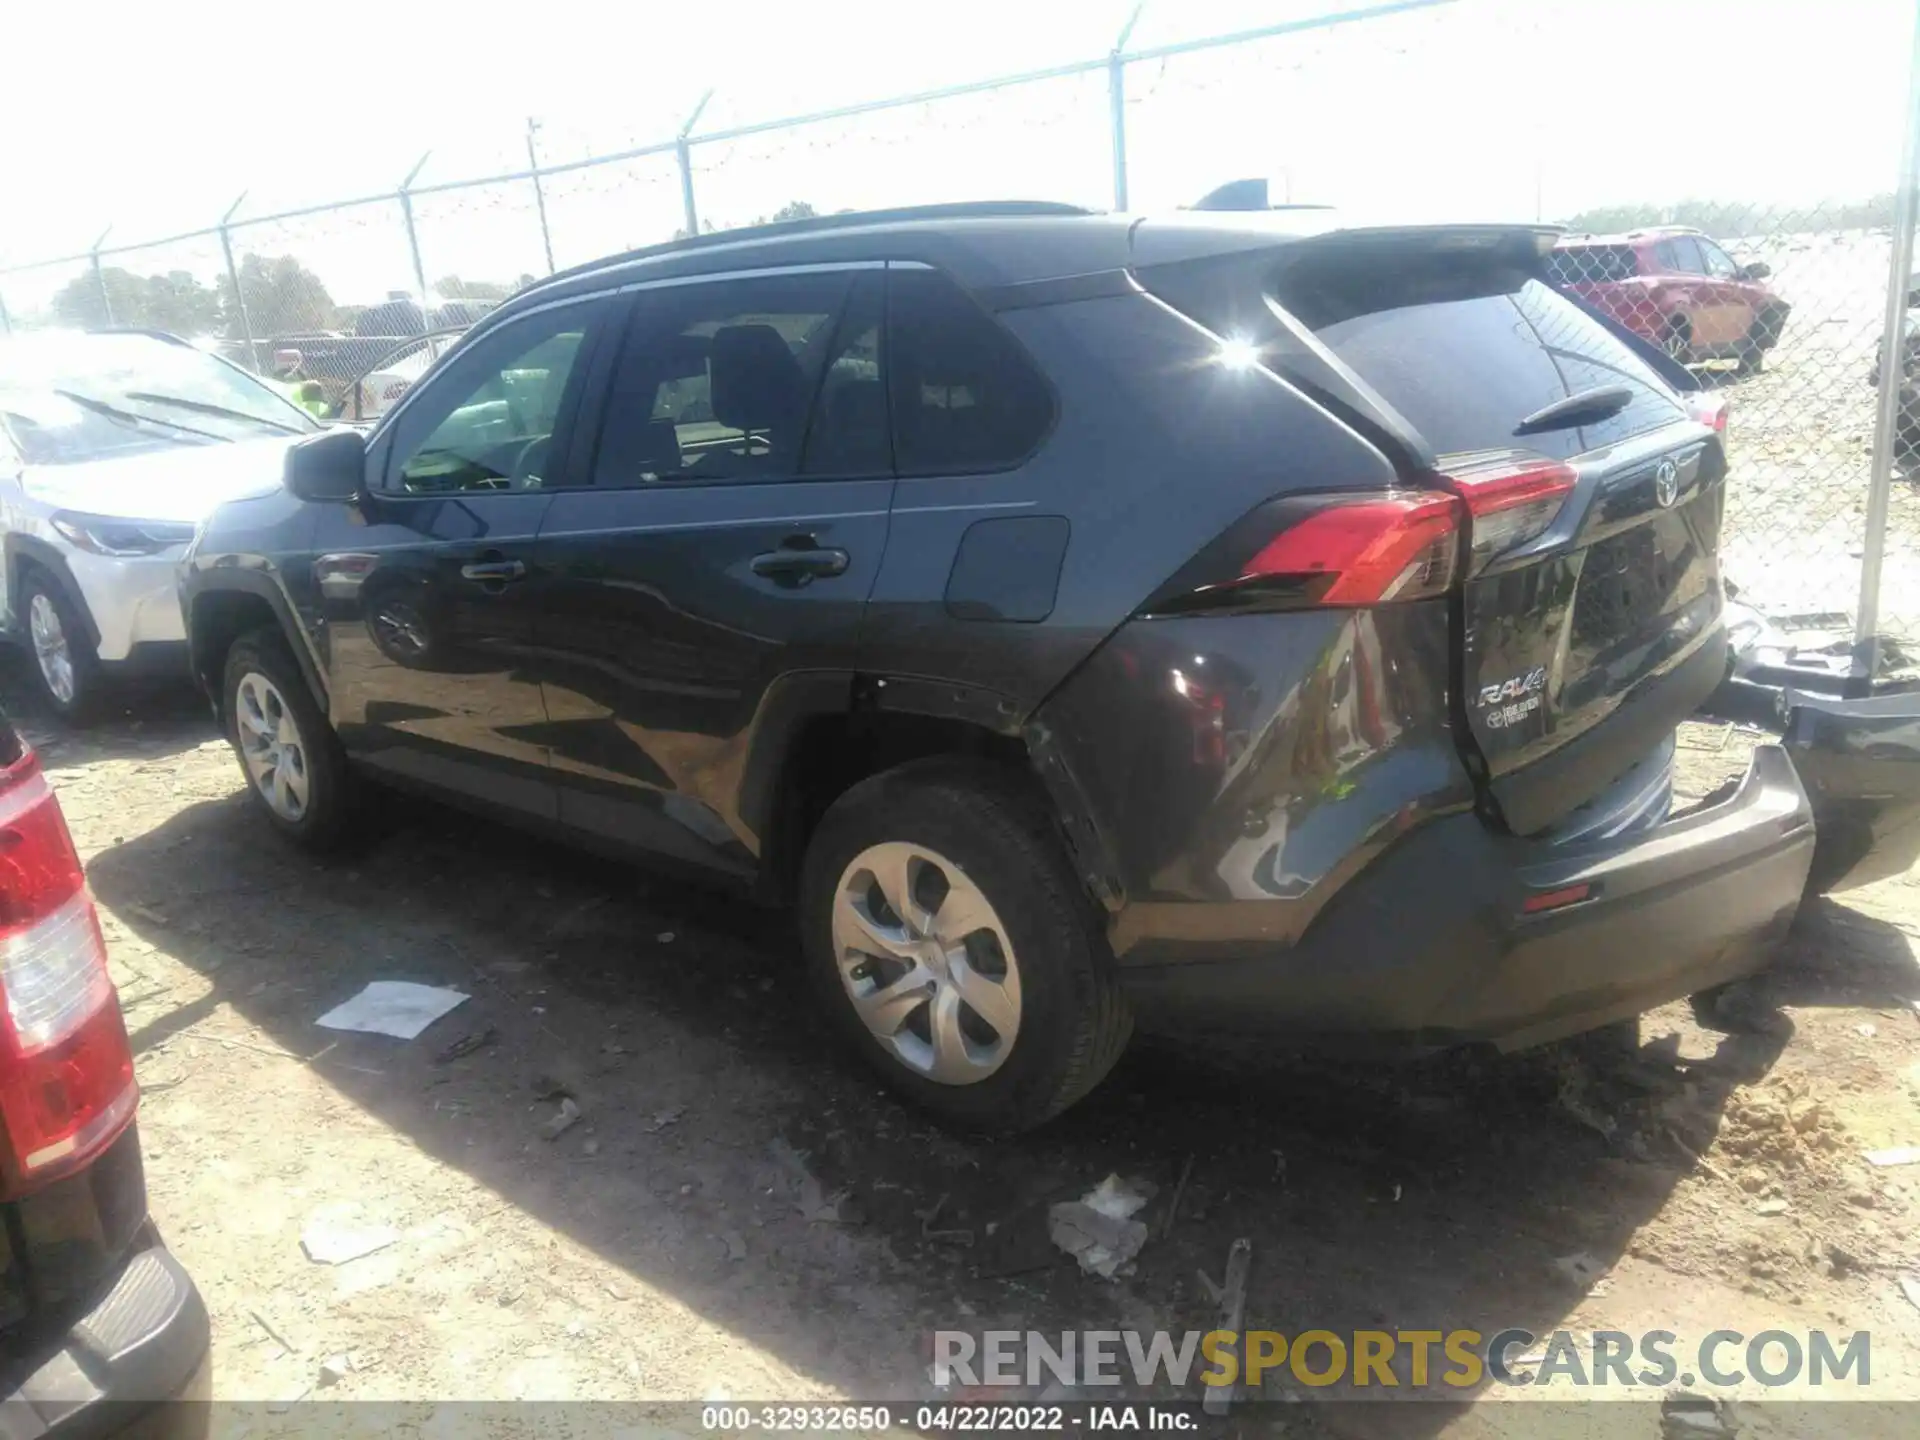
(66, 1072)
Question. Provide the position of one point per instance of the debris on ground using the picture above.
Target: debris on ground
(331, 1236)
(565, 1120)
(1180, 1189)
(1900, 1155)
(547, 1087)
(1233, 1313)
(1775, 1206)
(467, 1044)
(1580, 1267)
(1910, 1288)
(398, 1008)
(812, 1199)
(1688, 1416)
(661, 1119)
(736, 1244)
(1098, 1229)
(333, 1370)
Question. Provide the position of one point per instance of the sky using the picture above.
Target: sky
(153, 119)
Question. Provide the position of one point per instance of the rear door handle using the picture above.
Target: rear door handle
(798, 561)
(494, 572)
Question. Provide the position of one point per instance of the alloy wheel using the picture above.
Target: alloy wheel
(51, 648)
(271, 746)
(926, 962)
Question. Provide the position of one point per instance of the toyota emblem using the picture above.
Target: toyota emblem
(1666, 484)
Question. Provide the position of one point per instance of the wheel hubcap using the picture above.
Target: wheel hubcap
(50, 648)
(926, 963)
(270, 746)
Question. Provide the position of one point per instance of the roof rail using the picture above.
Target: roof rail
(813, 224)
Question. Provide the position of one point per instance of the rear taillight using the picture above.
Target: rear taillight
(66, 1072)
(1710, 410)
(1513, 496)
(1338, 549)
(1364, 551)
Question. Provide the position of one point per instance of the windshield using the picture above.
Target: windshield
(65, 399)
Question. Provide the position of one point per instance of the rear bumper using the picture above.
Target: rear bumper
(118, 1369)
(1433, 944)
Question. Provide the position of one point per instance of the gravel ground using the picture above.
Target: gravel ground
(740, 1213)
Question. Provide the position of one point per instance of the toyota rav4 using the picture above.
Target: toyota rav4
(1225, 619)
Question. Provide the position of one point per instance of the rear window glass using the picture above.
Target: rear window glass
(1466, 352)
(1591, 264)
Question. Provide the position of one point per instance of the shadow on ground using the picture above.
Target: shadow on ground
(1431, 1196)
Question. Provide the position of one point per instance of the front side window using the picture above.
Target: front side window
(1680, 255)
(965, 397)
(718, 381)
(1719, 263)
(488, 421)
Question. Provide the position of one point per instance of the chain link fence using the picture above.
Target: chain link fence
(1779, 307)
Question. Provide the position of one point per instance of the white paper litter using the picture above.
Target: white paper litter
(1098, 1229)
(1899, 1155)
(392, 1007)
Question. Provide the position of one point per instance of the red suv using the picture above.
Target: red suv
(1677, 288)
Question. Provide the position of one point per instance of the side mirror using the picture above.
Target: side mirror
(1758, 270)
(330, 467)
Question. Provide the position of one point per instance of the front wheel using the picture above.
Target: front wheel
(293, 763)
(948, 937)
(65, 663)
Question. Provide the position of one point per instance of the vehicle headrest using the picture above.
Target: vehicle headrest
(755, 382)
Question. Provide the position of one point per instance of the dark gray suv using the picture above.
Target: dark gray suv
(1218, 619)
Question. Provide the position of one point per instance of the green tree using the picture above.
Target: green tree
(283, 297)
(452, 287)
(792, 210)
(174, 301)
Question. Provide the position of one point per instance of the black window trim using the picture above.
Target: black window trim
(1034, 367)
(381, 486)
(591, 420)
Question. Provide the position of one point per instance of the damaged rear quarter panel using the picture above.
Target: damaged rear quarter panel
(1256, 759)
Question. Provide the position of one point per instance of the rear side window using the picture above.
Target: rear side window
(1466, 349)
(1591, 264)
(716, 382)
(964, 396)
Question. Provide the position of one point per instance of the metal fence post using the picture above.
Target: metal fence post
(413, 240)
(1893, 355)
(1117, 105)
(539, 193)
(233, 279)
(100, 276)
(683, 149)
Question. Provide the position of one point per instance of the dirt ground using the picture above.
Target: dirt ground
(739, 1213)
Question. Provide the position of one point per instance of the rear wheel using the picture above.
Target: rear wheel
(951, 942)
(65, 663)
(294, 766)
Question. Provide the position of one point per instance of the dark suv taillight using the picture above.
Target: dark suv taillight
(1304, 551)
(66, 1072)
(1512, 495)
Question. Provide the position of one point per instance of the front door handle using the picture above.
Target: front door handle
(494, 572)
(799, 561)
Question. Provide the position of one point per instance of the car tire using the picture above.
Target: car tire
(64, 662)
(966, 842)
(296, 772)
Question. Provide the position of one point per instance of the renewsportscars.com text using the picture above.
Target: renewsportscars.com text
(1411, 1359)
